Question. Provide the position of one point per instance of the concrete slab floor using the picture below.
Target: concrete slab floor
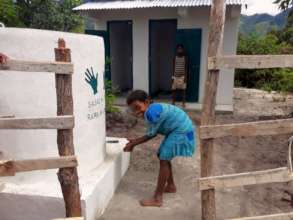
(136, 185)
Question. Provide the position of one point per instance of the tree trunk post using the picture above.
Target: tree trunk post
(68, 177)
(216, 32)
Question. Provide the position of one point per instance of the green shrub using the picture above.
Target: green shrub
(281, 80)
(110, 97)
(267, 79)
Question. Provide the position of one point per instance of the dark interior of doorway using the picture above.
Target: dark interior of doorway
(161, 52)
(120, 36)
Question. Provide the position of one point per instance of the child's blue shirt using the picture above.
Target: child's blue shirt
(165, 119)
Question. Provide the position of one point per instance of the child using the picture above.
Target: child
(177, 128)
(179, 73)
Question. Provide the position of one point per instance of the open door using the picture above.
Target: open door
(191, 40)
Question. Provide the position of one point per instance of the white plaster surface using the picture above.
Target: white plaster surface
(37, 195)
(44, 202)
(196, 17)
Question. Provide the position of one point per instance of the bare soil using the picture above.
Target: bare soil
(231, 155)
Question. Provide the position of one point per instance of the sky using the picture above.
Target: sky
(260, 6)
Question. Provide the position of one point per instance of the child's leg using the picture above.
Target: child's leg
(183, 98)
(173, 97)
(170, 187)
(164, 175)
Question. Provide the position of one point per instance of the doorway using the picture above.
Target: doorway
(191, 40)
(162, 38)
(121, 52)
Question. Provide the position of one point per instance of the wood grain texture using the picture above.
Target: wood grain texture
(248, 129)
(60, 122)
(74, 218)
(280, 216)
(68, 177)
(215, 43)
(243, 179)
(10, 167)
(7, 168)
(33, 66)
(250, 62)
(7, 116)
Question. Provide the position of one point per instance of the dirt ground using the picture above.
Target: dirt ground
(232, 155)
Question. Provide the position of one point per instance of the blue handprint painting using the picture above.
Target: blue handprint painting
(92, 79)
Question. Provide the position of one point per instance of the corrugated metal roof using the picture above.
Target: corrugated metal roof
(132, 4)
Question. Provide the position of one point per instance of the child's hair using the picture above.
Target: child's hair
(179, 45)
(137, 95)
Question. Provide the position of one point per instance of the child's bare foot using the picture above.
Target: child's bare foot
(153, 202)
(170, 189)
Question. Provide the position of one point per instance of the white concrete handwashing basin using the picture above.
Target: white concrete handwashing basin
(37, 195)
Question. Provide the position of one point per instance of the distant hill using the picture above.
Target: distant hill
(262, 23)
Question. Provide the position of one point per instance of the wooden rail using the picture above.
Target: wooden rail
(10, 167)
(250, 61)
(7, 116)
(33, 66)
(73, 218)
(59, 122)
(272, 127)
(243, 179)
(280, 216)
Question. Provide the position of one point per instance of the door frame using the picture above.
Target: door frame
(151, 21)
(109, 22)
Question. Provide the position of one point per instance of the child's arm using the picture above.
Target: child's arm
(134, 142)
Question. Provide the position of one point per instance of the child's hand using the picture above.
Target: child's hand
(129, 146)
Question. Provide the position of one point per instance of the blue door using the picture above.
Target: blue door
(191, 40)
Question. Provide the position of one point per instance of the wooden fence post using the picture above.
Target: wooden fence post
(216, 32)
(68, 177)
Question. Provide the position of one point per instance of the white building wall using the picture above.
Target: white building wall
(197, 17)
(140, 54)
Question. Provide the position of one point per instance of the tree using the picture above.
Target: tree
(268, 79)
(286, 34)
(8, 13)
(41, 14)
(284, 4)
(50, 14)
(72, 21)
(275, 42)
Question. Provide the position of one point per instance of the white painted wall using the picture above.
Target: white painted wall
(32, 95)
(197, 17)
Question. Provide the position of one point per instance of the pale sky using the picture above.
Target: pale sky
(260, 6)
